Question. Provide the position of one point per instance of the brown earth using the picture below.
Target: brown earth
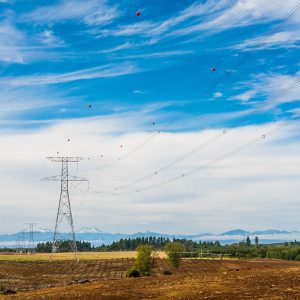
(195, 279)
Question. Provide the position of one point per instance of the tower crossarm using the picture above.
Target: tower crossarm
(58, 178)
(71, 159)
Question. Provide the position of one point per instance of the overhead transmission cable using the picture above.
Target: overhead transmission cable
(266, 38)
(218, 135)
(85, 194)
(271, 33)
(213, 162)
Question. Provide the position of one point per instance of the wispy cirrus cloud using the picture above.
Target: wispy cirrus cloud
(270, 85)
(150, 28)
(48, 37)
(18, 47)
(105, 71)
(295, 112)
(284, 39)
(241, 13)
(16, 102)
(11, 39)
(161, 54)
(209, 17)
(90, 12)
(123, 46)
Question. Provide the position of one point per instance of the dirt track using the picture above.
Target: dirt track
(196, 279)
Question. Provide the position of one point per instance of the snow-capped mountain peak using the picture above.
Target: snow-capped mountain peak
(89, 230)
(38, 230)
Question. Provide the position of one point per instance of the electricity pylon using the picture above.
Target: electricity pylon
(31, 246)
(64, 212)
(21, 242)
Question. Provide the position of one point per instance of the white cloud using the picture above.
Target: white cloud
(18, 47)
(160, 54)
(48, 37)
(124, 46)
(245, 96)
(145, 27)
(139, 92)
(91, 12)
(218, 94)
(242, 13)
(11, 39)
(19, 102)
(104, 71)
(149, 28)
(295, 112)
(236, 192)
(269, 85)
(209, 17)
(285, 39)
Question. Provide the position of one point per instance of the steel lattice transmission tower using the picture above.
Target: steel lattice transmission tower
(64, 211)
(31, 243)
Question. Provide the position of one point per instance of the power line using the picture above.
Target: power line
(261, 43)
(213, 162)
(86, 192)
(271, 33)
(218, 135)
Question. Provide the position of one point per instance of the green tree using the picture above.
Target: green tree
(143, 264)
(173, 251)
(256, 241)
(248, 241)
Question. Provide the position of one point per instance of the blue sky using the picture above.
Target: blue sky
(141, 74)
(72, 54)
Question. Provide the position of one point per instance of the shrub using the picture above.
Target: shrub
(173, 251)
(297, 257)
(143, 264)
(167, 272)
(132, 272)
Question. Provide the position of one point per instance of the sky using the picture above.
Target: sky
(181, 114)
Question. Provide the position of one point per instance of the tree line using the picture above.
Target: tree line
(243, 249)
(64, 246)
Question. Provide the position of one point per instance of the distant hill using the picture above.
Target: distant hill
(237, 232)
(98, 237)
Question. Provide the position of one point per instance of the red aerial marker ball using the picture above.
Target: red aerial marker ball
(138, 13)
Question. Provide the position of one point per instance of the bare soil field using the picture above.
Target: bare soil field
(195, 279)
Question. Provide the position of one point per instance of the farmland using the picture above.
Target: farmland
(70, 256)
(195, 279)
(67, 256)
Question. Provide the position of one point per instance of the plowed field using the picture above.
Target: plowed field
(195, 279)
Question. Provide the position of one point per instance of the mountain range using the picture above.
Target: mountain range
(98, 237)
